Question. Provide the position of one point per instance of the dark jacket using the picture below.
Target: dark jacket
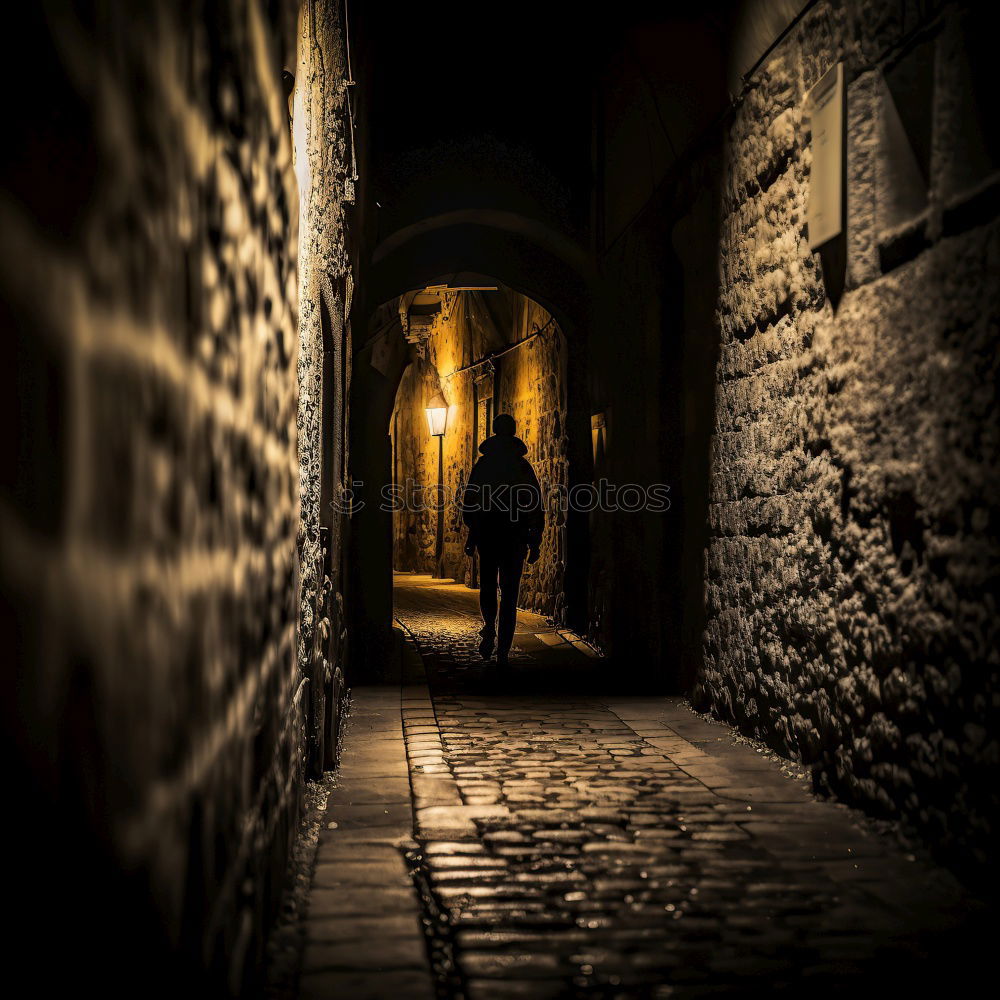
(502, 504)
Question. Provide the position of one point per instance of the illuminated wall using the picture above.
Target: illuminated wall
(854, 472)
(323, 139)
(527, 382)
(826, 420)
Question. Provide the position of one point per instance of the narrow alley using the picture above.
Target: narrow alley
(572, 844)
(500, 500)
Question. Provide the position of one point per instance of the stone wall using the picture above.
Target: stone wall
(154, 711)
(532, 388)
(527, 382)
(323, 157)
(853, 554)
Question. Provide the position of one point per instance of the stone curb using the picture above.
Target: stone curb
(439, 811)
(364, 932)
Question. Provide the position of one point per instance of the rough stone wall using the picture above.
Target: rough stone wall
(453, 341)
(325, 180)
(153, 715)
(853, 555)
(529, 383)
(532, 388)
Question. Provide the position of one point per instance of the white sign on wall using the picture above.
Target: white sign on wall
(825, 107)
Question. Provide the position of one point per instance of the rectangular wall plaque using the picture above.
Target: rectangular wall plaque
(825, 106)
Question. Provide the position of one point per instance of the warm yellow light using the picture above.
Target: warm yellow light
(437, 416)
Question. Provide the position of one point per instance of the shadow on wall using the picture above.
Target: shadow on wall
(651, 388)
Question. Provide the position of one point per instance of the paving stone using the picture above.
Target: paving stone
(363, 985)
(362, 872)
(367, 791)
(375, 849)
(362, 900)
(366, 928)
(436, 822)
(435, 790)
(383, 952)
(362, 771)
(504, 964)
(370, 816)
(515, 989)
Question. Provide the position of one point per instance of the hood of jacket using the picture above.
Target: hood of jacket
(502, 445)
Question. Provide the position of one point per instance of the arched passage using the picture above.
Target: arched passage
(434, 255)
(523, 254)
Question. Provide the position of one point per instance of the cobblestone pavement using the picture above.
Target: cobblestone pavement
(581, 845)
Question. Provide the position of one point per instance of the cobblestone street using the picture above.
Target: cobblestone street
(575, 844)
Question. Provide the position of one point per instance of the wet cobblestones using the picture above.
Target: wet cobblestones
(602, 846)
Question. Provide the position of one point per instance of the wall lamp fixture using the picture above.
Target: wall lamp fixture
(437, 415)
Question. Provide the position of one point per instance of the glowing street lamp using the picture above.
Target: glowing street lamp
(437, 416)
(437, 421)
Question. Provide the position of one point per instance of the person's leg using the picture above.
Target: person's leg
(510, 569)
(488, 574)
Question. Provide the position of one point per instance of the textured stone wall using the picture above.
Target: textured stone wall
(323, 167)
(154, 711)
(528, 383)
(853, 555)
(454, 340)
(532, 388)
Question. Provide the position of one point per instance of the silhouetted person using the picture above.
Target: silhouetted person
(502, 507)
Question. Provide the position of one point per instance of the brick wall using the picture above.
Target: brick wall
(854, 475)
(150, 502)
(528, 383)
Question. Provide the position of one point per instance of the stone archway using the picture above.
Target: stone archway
(432, 255)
